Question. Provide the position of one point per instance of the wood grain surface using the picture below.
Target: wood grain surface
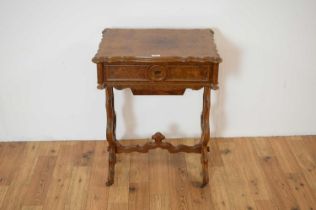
(244, 173)
(155, 45)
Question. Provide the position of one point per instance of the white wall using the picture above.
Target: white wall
(48, 82)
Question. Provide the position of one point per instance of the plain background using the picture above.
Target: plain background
(48, 82)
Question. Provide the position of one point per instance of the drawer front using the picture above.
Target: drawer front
(188, 73)
(126, 72)
(156, 73)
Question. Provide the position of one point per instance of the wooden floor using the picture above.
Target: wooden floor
(245, 173)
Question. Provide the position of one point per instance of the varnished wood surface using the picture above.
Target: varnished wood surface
(157, 45)
(170, 73)
(157, 61)
(157, 143)
(116, 147)
(244, 173)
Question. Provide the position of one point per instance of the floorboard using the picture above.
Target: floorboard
(245, 173)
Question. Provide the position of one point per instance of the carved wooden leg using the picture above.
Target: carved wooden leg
(205, 124)
(112, 161)
(110, 133)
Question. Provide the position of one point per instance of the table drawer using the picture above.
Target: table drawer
(157, 73)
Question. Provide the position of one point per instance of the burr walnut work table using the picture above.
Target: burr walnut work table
(157, 62)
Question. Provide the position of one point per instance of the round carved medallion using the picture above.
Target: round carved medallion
(157, 73)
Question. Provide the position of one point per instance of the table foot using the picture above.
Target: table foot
(204, 161)
(112, 161)
(109, 182)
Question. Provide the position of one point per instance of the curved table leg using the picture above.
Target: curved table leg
(205, 125)
(111, 137)
(112, 161)
(110, 133)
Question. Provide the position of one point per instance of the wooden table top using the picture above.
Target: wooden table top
(157, 45)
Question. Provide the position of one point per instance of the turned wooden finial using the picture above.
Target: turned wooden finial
(158, 137)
